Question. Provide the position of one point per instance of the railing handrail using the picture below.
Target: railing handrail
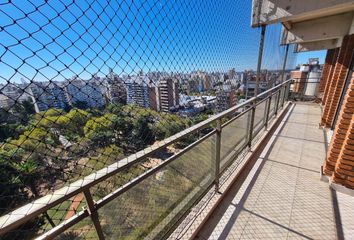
(22, 214)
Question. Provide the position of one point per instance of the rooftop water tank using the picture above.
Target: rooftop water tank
(312, 83)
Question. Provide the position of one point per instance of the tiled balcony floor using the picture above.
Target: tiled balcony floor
(284, 198)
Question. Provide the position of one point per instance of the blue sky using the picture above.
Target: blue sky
(303, 57)
(61, 38)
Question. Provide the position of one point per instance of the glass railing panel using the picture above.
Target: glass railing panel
(259, 117)
(47, 220)
(273, 104)
(234, 138)
(151, 208)
(281, 98)
(83, 230)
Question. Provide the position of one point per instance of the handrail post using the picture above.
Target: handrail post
(250, 133)
(217, 154)
(93, 213)
(46, 215)
(269, 101)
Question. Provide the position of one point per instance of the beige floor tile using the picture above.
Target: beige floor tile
(287, 199)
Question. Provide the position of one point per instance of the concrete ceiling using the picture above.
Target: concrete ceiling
(310, 24)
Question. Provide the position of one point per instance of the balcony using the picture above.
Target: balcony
(163, 194)
(78, 164)
(254, 175)
(281, 197)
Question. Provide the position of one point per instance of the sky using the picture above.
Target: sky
(303, 57)
(61, 38)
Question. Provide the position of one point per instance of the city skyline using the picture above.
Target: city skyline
(144, 39)
(159, 91)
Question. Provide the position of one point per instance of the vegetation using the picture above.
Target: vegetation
(39, 152)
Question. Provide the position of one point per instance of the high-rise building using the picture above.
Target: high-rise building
(250, 83)
(232, 73)
(116, 91)
(138, 90)
(113, 88)
(87, 93)
(6, 102)
(12, 93)
(154, 98)
(164, 95)
(47, 95)
(168, 94)
(226, 97)
(313, 78)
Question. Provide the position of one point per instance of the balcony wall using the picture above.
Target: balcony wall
(339, 161)
(337, 81)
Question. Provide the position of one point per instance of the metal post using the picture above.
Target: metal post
(259, 64)
(49, 219)
(284, 63)
(282, 77)
(267, 111)
(93, 213)
(217, 154)
(250, 133)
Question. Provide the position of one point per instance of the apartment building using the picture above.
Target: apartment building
(12, 93)
(84, 92)
(226, 97)
(138, 90)
(164, 95)
(47, 95)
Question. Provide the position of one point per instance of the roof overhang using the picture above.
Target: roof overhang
(310, 25)
(320, 29)
(265, 12)
(317, 45)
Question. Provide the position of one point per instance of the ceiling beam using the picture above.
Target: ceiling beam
(325, 28)
(319, 45)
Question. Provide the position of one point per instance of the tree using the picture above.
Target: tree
(168, 125)
(12, 122)
(48, 119)
(10, 130)
(35, 139)
(18, 170)
(100, 130)
(29, 172)
(78, 117)
(22, 112)
(28, 107)
(80, 105)
(115, 108)
(142, 134)
(11, 186)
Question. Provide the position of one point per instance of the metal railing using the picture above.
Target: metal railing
(305, 89)
(176, 183)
